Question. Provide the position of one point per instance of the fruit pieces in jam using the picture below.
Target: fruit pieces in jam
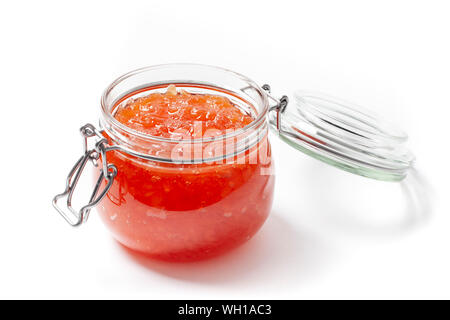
(173, 112)
(184, 212)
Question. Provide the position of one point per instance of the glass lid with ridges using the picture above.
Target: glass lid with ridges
(344, 135)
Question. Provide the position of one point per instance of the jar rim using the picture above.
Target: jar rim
(107, 115)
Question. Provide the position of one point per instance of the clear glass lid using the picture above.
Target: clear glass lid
(344, 135)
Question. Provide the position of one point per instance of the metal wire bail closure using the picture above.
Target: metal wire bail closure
(108, 172)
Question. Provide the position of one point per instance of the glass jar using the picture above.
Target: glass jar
(185, 199)
(189, 199)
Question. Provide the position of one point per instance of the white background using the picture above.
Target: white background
(330, 235)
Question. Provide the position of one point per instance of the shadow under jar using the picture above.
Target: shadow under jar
(187, 199)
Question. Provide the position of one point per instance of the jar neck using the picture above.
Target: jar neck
(242, 92)
(186, 151)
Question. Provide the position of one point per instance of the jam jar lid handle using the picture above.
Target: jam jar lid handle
(341, 134)
(109, 171)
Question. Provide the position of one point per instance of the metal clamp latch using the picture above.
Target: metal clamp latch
(108, 172)
(279, 108)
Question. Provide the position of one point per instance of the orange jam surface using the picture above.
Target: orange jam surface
(187, 211)
(172, 113)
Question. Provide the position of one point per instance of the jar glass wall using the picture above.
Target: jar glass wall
(187, 199)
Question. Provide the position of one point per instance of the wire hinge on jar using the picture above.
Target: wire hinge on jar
(108, 172)
(280, 106)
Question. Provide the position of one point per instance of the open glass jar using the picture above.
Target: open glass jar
(187, 199)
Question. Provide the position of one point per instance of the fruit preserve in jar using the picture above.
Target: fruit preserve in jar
(187, 211)
(184, 160)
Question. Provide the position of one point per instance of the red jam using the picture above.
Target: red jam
(183, 212)
(167, 114)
